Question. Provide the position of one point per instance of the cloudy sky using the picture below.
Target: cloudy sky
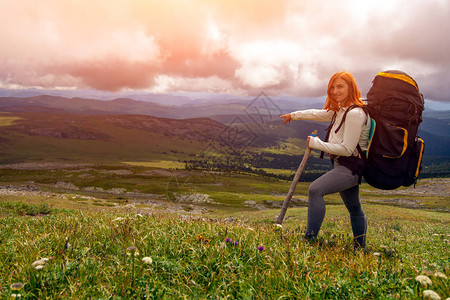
(281, 47)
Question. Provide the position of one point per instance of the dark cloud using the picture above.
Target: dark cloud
(281, 47)
(112, 74)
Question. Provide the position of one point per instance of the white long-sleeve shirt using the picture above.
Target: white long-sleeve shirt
(355, 129)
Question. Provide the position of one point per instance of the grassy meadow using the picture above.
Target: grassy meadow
(77, 254)
(135, 231)
(7, 121)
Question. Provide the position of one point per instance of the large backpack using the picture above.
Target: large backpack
(394, 154)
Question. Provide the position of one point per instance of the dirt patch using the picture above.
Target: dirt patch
(26, 190)
(136, 202)
(439, 187)
(409, 203)
(118, 172)
(43, 166)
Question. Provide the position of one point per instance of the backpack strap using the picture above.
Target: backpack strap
(342, 122)
(339, 127)
(333, 119)
(361, 152)
(345, 115)
(364, 159)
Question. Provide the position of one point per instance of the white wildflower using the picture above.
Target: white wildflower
(67, 245)
(39, 262)
(432, 295)
(147, 260)
(16, 295)
(222, 246)
(440, 274)
(376, 253)
(40, 267)
(424, 280)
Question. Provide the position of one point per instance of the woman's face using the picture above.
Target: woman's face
(339, 91)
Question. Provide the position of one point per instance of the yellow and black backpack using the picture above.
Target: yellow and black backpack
(394, 155)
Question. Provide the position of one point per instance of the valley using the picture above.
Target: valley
(223, 162)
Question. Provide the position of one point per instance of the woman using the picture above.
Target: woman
(343, 140)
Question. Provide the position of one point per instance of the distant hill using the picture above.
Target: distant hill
(192, 109)
(224, 111)
(58, 128)
(437, 114)
(86, 106)
(48, 136)
(435, 145)
(169, 99)
(438, 127)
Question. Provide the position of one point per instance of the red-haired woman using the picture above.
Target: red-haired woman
(341, 145)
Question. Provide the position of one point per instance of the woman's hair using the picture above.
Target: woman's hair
(354, 96)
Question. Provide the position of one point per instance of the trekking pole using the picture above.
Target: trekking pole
(294, 182)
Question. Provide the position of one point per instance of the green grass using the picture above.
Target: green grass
(161, 164)
(8, 121)
(89, 256)
(85, 232)
(279, 171)
(292, 146)
(21, 209)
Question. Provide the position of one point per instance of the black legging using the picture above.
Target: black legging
(339, 179)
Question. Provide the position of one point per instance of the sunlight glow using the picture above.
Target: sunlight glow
(282, 45)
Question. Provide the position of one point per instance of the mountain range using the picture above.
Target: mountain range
(125, 128)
